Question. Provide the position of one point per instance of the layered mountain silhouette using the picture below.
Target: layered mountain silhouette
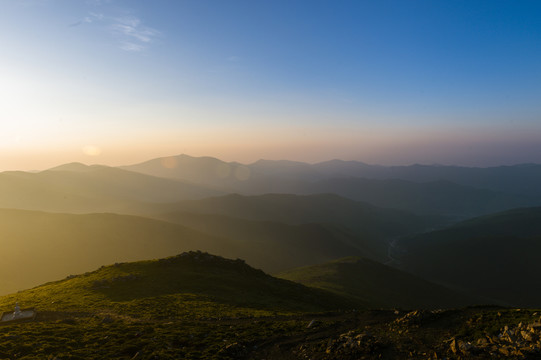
(79, 188)
(453, 191)
(281, 215)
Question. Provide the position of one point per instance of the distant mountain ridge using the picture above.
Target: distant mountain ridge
(445, 190)
(519, 179)
(81, 189)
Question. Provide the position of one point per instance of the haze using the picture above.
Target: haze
(118, 82)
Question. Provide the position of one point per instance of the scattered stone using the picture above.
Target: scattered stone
(521, 341)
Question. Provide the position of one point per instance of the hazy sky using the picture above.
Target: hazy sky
(392, 82)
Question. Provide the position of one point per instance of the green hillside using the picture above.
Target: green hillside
(42, 246)
(189, 285)
(495, 256)
(191, 306)
(378, 285)
(200, 306)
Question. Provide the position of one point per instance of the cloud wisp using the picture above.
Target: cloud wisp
(132, 34)
(129, 31)
(92, 17)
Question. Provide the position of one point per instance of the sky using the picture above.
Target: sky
(386, 82)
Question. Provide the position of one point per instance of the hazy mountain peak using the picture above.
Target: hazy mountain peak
(77, 167)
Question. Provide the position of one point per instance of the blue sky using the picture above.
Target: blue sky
(391, 82)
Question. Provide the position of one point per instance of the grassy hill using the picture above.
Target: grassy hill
(191, 306)
(200, 306)
(494, 256)
(43, 246)
(378, 285)
(190, 285)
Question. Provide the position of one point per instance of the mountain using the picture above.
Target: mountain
(520, 179)
(365, 228)
(206, 170)
(276, 246)
(316, 208)
(494, 256)
(438, 197)
(378, 285)
(381, 188)
(78, 188)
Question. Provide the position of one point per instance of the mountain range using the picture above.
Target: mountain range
(364, 260)
(445, 190)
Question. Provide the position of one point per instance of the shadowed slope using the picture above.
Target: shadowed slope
(378, 285)
(495, 256)
(276, 246)
(368, 227)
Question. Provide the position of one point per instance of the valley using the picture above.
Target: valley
(182, 264)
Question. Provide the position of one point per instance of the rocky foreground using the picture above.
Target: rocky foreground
(474, 333)
(471, 333)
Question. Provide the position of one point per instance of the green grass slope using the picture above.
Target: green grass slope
(495, 256)
(193, 285)
(378, 285)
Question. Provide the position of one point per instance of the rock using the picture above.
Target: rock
(453, 346)
(527, 335)
(504, 350)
